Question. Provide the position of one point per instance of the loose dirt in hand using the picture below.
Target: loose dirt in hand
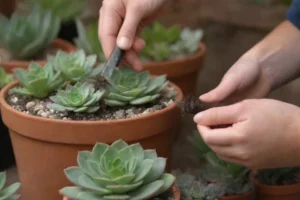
(38, 107)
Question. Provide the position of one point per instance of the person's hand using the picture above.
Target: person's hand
(121, 21)
(261, 133)
(245, 79)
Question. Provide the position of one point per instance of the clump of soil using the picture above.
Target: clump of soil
(37, 107)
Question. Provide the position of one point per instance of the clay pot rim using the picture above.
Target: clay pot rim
(199, 53)
(7, 107)
(175, 190)
(273, 187)
(58, 43)
(237, 195)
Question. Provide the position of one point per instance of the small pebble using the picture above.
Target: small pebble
(120, 114)
(30, 105)
(65, 118)
(44, 114)
(15, 100)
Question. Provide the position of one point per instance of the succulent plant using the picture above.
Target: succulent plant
(189, 42)
(75, 66)
(38, 81)
(88, 40)
(78, 98)
(233, 176)
(66, 10)
(130, 87)
(119, 171)
(279, 176)
(27, 36)
(5, 78)
(9, 192)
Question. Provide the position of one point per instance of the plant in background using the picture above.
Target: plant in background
(24, 37)
(279, 176)
(233, 176)
(88, 40)
(193, 187)
(118, 171)
(5, 78)
(66, 10)
(38, 81)
(9, 192)
(75, 66)
(78, 98)
(130, 87)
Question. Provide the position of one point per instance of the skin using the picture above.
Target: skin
(261, 133)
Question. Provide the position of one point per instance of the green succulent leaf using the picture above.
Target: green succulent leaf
(8, 192)
(130, 87)
(117, 171)
(5, 78)
(25, 36)
(78, 98)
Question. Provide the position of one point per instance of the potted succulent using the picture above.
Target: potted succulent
(26, 38)
(238, 185)
(67, 11)
(193, 187)
(120, 171)
(278, 183)
(6, 151)
(8, 193)
(177, 53)
(54, 111)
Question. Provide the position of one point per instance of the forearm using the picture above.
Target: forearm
(278, 54)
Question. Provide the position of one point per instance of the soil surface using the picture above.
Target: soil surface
(165, 196)
(38, 107)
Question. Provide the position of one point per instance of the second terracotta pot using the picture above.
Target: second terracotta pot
(57, 43)
(45, 147)
(183, 72)
(175, 191)
(246, 196)
(282, 192)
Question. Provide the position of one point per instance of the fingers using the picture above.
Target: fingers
(219, 137)
(220, 115)
(227, 86)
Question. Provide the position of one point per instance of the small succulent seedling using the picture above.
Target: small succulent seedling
(9, 192)
(75, 66)
(64, 9)
(78, 98)
(88, 40)
(279, 176)
(5, 78)
(233, 176)
(119, 171)
(38, 81)
(130, 87)
(26, 36)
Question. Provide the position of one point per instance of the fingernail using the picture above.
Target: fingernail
(198, 117)
(124, 43)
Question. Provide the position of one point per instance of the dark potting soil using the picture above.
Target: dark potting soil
(68, 31)
(38, 107)
(169, 195)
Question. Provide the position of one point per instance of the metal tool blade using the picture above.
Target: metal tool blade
(113, 61)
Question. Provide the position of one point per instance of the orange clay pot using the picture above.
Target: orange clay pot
(175, 190)
(57, 43)
(45, 147)
(247, 196)
(183, 72)
(280, 192)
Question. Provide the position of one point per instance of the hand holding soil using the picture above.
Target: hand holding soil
(260, 132)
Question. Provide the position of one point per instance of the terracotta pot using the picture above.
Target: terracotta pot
(183, 72)
(247, 196)
(280, 192)
(175, 190)
(58, 43)
(45, 147)
(7, 7)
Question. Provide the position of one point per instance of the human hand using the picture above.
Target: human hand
(136, 15)
(245, 79)
(261, 133)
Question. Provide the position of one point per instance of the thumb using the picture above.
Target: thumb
(129, 28)
(227, 86)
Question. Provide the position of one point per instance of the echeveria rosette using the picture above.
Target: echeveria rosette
(76, 66)
(26, 36)
(9, 192)
(5, 78)
(119, 171)
(38, 81)
(130, 87)
(78, 98)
